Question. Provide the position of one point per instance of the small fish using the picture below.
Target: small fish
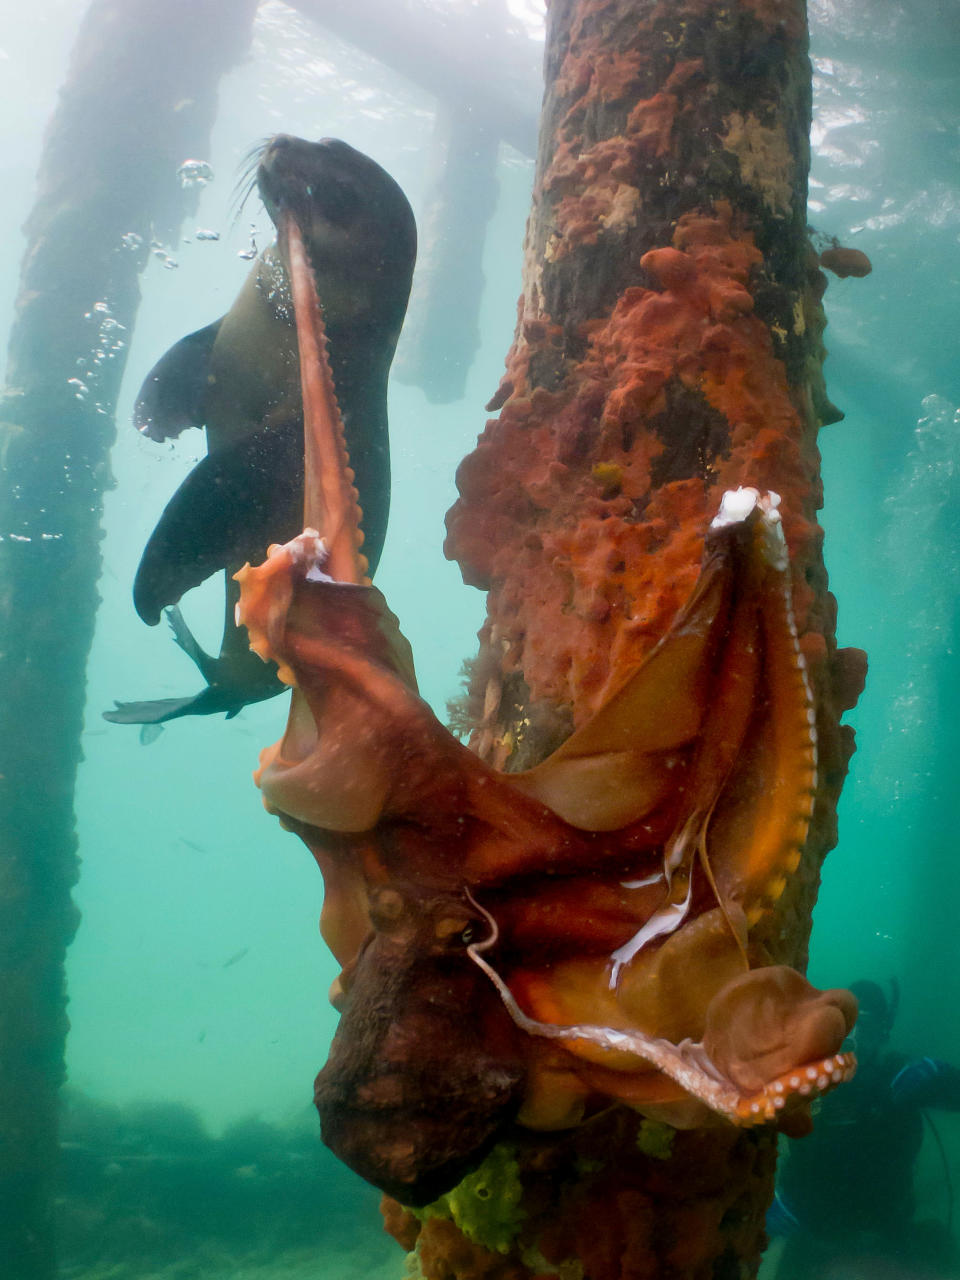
(236, 957)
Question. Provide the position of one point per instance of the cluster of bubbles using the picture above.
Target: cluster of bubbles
(110, 339)
(27, 538)
(16, 492)
(163, 255)
(194, 173)
(132, 241)
(108, 344)
(279, 287)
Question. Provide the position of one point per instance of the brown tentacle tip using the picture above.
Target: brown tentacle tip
(771, 1027)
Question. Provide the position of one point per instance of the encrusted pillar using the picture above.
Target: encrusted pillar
(667, 349)
(140, 99)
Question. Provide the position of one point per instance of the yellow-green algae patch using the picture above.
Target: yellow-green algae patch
(486, 1204)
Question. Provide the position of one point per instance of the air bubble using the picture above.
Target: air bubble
(194, 173)
(167, 261)
(251, 252)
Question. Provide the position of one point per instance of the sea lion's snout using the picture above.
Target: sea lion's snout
(353, 217)
(310, 179)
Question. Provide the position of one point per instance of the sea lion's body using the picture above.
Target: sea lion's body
(240, 379)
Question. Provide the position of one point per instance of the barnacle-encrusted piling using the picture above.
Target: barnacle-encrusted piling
(668, 348)
(139, 99)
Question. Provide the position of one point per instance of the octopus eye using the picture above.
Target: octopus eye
(452, 931)
(386, 910)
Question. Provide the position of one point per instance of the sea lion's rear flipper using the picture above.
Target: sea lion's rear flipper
(187, 641)
(153, 712)
(235, 679)
(231, 505)
(217, 699)
(171, 398)
(161, 709)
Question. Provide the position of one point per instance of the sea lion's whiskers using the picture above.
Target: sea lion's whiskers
(247, 170)
(239, 198)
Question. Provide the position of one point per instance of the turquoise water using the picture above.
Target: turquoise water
(198, 977)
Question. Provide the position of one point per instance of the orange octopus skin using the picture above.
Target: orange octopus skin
(687, 793)
(365, 766)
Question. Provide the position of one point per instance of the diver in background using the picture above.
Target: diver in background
(845, 1197)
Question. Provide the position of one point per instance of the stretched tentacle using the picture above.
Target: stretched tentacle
(689, 1063)
(329, 498)
(763, 813)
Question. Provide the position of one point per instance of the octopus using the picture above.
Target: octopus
(526, 949)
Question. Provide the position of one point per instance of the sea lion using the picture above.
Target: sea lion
(239, 378)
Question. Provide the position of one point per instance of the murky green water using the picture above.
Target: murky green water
(198, 980)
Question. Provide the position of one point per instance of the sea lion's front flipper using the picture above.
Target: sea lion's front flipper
(171, 398)
(231, 505)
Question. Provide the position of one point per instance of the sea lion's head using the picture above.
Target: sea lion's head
(356, 222)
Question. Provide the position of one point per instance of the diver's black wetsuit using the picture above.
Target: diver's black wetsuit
(847, 1189)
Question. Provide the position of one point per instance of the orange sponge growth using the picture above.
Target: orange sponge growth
(584, 508)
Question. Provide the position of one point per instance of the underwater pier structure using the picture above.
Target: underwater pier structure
(668, 349)
(140, 97)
